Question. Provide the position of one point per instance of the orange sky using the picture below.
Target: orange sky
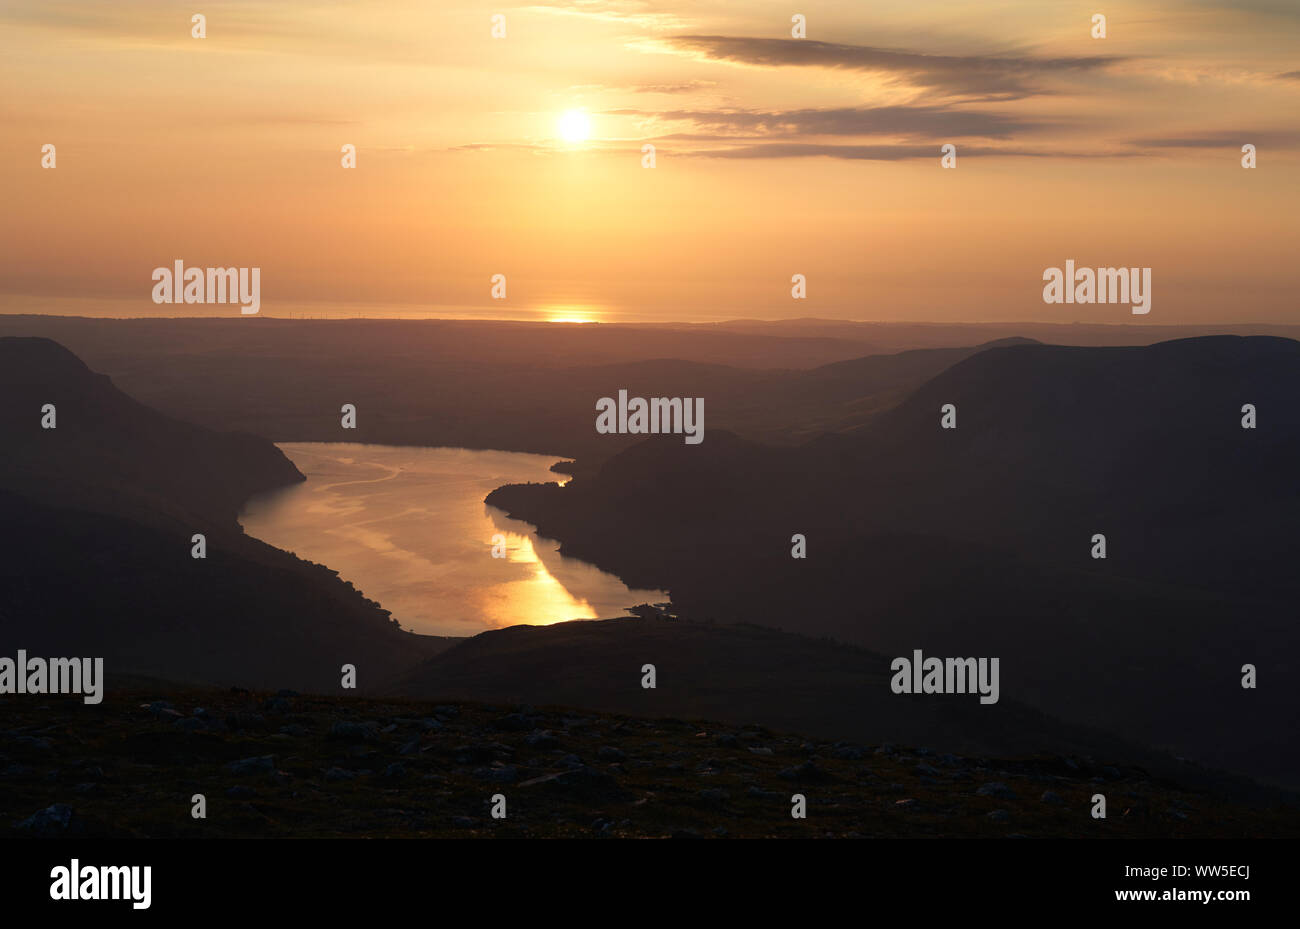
(775, 156)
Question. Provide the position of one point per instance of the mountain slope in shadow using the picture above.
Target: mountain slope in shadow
(752, 675)
(977, 541)
(483, 384)
(98, 517)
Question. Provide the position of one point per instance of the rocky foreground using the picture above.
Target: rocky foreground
(290, 765)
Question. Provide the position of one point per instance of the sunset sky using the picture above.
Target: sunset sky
(775, 156)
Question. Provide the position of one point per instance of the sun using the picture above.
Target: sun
(573, 126)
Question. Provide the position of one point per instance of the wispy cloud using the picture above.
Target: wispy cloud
(1234, 138)
(884, 152)
(1007, 77)
(637, 13)
(1285, 8)
(929, 122)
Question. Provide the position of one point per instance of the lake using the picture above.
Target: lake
(409, 528)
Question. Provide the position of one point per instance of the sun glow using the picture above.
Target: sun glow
(574, 127)
(574, 313)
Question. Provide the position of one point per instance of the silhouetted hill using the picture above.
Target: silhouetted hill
(977, 541)
(750, 675)
(111, 453)
(479, 384)
(98, 515)
(1142, 444)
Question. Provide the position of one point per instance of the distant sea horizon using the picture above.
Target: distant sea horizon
(137, 308)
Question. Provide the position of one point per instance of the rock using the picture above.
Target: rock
(430, 725)
(760, 750)
(395, 771)
(446, 710)
(339, 774)
(591, 783)
(93, 771)
(610, 753)
(482, 752)
(542, 739)
(262, 764)
(1051, 797)
(240, 792)
(239, 721)
(996, 789)
(54, 820)
(927, 770)
(907, 804)
(727, 740)
(409, 748)
(714, 795)
(999, 816)
(464, 822)
(808, 771)
(498, 774)
(294, 730)
(287, 693)
(354, 732)
(513, 722)
(763, 794)
(31, 741)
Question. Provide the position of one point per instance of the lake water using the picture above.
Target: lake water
(409, 528)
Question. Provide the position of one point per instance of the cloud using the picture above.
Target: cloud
(928, 122)
(1285, 8)
(683, 87)
(637, 13)
(1234, 139)
(883, 152)
(958, 75)
(674, 87)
